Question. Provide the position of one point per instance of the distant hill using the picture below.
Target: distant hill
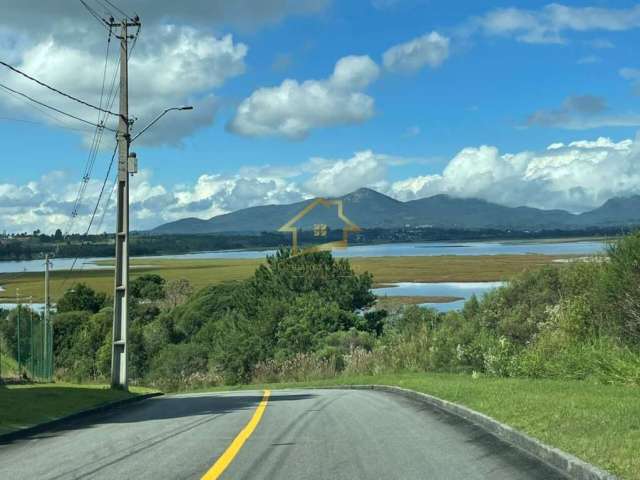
(370, 209)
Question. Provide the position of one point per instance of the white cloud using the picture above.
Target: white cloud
(549, 24)
(37, 15)
(292, 109)
(338, 177)
(171, 66)
(577, 176)
(431, 49)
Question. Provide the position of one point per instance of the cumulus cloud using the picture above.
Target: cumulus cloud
(34, 14)
(575, 176)
(338, 177)
(292, 109)
(550, 23)
(431, 49)
(582, 112)
(178, 60)
(47, 203)
(174, 66)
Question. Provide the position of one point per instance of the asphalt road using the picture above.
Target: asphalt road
(312, 434)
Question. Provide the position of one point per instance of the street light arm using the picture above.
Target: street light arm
(155, 120)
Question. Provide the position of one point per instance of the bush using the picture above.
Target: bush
(81, 298)
(182, 366)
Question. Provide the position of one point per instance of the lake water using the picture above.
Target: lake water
(382, 250)
(449, 289)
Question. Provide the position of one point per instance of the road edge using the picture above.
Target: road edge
(58, 422)
(564, 462)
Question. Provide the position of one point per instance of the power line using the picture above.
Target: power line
(118, 9)
(61, 123)
(24, 120)
(95, 15)
(93, 215)
(53, 89)
(54, 108)
(95, 145)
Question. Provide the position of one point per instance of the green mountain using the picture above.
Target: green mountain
(370, 209)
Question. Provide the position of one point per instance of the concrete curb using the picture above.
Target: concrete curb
(564, 462)
(59, 422)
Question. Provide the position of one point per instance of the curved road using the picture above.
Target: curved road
(302, 434)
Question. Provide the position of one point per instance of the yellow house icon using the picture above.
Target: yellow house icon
(320, 230)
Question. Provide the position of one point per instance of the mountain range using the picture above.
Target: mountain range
(370, 209)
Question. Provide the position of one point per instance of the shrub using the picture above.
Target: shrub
(182, 366)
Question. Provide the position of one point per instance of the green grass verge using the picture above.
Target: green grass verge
(597, 423)
(23, 406)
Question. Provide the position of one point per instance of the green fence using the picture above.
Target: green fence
(26, 346)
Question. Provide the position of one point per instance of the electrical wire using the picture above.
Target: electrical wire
(52, 108)
(95, 15)
(61, 123)
(24, 120)
(106, 178)
(53, 89)
(118, 9)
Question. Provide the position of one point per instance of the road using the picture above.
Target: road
(302, 434)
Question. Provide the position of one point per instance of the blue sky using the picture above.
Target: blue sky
(431, 98)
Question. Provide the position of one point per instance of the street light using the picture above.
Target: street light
(158, 118)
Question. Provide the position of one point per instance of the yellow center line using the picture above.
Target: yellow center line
(230, 453)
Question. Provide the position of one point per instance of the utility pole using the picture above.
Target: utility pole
(47, 367)
(18, 334)
(31, 337)
(119, 376)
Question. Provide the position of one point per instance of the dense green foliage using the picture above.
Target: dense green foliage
(310, 316)
(292, 305)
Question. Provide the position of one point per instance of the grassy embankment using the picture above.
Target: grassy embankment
(8, 367)
(597, 423)
(22, 406)
(211, 271)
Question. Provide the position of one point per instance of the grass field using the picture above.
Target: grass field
(598, 423)
(26, 405)
(211, 271)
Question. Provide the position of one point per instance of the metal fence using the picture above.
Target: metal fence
(26, 346)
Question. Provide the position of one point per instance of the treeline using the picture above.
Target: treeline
(415, 234)
(144, 244)
(31, 248)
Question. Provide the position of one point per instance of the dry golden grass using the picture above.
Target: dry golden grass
(204, 272)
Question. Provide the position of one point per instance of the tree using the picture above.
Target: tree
(177, 292)
(148, 287)
(81, 297)
(58, 235)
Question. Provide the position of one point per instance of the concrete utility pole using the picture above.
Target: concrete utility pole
(18, 334)
(119, 376)
(47, 364)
